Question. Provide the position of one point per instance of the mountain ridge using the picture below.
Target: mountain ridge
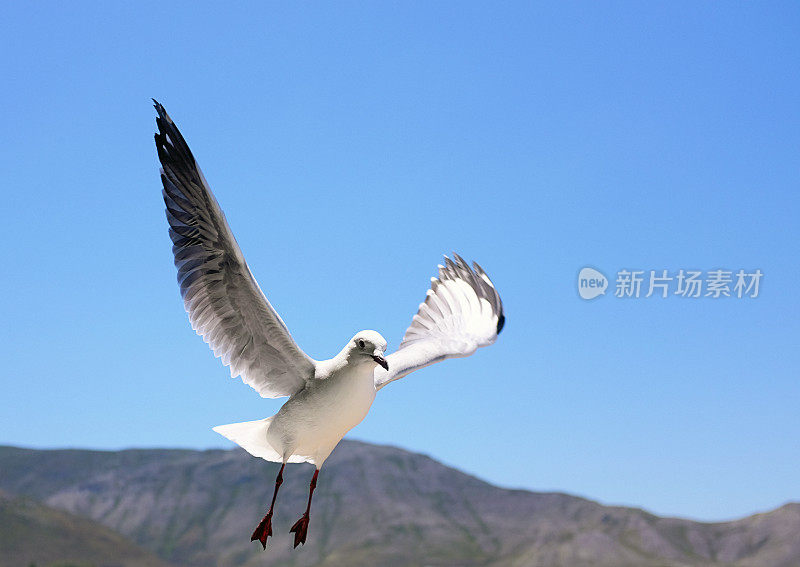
(374, 505)
(34, 534)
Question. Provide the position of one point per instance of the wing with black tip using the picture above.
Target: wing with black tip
(225, 305)
(462, 312)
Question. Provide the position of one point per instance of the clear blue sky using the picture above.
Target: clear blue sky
(352, 144)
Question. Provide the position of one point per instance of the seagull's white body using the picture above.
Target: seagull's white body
(313, 421)
(316, 419)
(462, 311)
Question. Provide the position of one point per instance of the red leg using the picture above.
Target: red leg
(300, 528)
(264, 529)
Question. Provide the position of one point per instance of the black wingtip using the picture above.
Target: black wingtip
(501, 321)
(162, 112)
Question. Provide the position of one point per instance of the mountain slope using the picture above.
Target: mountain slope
(33, 534)
(374, 505)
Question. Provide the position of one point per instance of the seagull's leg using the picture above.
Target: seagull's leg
(300, 528)
(264, 529)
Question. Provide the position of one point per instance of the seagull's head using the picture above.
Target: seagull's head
(368, 347)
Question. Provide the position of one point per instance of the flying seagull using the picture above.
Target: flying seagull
(327, 398)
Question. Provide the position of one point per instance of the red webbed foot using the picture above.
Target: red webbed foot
(263, 531)
(300, 529)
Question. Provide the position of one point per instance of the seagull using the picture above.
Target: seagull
(462, 311)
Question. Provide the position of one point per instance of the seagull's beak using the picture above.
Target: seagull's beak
(380, 360)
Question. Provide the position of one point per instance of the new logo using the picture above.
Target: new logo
(591, 283)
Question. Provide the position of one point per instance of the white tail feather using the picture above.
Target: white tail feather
(252, 437)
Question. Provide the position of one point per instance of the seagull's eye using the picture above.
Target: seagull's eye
(360, 343)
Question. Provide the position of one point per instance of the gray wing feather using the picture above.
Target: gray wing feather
(225, 305)
(462, 312)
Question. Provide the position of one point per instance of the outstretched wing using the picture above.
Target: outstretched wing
(462, 311)
(221, 296)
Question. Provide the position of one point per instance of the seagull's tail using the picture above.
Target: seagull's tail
(252, 437)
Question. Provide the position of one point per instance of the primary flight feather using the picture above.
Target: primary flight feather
(461, 312)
